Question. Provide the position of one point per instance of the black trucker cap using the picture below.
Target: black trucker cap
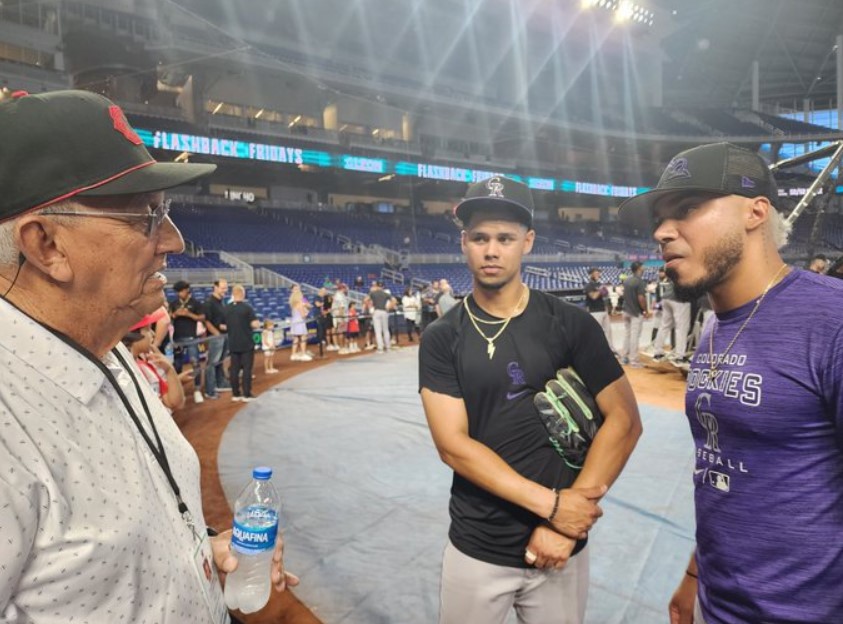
(721, 168)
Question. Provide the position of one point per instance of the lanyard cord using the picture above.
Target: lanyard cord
(157, 448)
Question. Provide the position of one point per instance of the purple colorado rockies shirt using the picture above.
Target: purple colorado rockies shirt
(768, 431)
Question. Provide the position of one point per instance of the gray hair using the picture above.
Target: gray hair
(8, 246)
(779, 228)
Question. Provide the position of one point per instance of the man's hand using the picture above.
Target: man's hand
(578, 511)
(548, 549)
(226, 561)
(681, 607)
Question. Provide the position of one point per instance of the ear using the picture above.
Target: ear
(529, 239)
(758, 212)
(463, 239)
(41, 242)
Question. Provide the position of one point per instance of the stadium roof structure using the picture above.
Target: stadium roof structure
(713, 43)
(705, 48)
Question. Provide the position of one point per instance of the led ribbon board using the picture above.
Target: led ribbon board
(289, 155)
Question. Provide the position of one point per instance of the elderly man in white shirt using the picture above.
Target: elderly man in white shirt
(101, 508)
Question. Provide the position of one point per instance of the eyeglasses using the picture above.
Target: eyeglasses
(154, 218)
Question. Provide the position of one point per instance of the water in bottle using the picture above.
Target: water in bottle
(253, 542)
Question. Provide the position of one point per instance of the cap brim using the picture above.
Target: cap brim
(638, 211)
(466, 208)
(158, 176)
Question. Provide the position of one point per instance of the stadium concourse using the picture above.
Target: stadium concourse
(365, 494)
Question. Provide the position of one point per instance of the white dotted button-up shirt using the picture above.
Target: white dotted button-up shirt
(90, 531)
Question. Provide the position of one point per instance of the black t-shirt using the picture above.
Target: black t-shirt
(184, 327)
(238, 317)
(598, 304)
(498, 394)
(214, 311)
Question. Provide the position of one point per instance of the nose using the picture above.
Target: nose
(492, 249)
(665, 231)
(170, 240)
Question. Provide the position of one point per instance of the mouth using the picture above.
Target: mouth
(159, 276)
(670, 257)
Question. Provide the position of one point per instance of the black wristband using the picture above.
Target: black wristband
(555, 506)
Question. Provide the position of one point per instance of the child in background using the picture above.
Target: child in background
(353, 330)
(268, 346)
(154, 365)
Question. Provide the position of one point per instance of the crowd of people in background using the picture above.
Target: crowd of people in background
(189, 342)
(341, 318)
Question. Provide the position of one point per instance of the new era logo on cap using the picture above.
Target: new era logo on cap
(747, 183)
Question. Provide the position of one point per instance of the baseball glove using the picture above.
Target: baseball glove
(570, 415)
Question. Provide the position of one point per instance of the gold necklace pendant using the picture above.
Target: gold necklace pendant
(490, 342)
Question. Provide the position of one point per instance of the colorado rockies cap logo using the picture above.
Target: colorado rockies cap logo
(122, 126)
(678, 168)
(495, 187)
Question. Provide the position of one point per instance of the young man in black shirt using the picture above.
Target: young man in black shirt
(185, 312)
(214, 308)
(515, 504)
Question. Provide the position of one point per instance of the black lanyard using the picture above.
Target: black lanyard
(157, 448)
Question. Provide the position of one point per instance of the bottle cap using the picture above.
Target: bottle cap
(262, 473)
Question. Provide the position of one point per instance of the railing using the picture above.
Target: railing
(233, 260)
(394, 276)
(208, 276)
(306, 258)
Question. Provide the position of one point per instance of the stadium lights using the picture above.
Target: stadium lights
(294, 122)
(258, 114)
(217, 109)
(624, 10)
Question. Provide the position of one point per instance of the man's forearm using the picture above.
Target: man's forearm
(609, 451)
(479, 464)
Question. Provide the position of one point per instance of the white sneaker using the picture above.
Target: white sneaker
(343, 351)
(197, 397)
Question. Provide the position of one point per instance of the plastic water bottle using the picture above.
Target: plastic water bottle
(253, 541)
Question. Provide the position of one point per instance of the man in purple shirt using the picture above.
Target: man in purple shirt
(764, 397)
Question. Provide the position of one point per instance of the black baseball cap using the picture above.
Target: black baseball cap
(62, 144)
(719, 168)
(497, 192)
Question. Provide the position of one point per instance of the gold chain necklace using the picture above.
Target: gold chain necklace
(490, 342)
(712, 366)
